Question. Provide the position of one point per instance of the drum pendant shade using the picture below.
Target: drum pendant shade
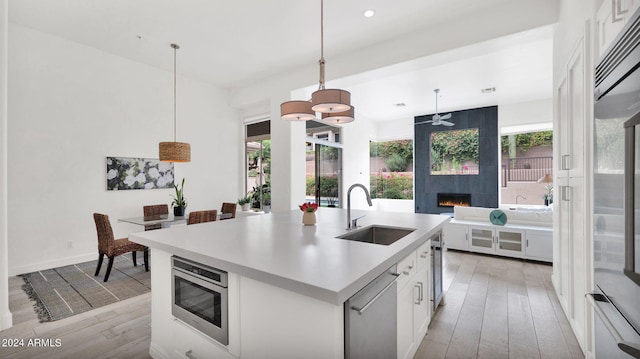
(331, 100)
(338, 118)
(297, 111)
(175, 152)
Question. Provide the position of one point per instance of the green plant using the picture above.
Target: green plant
(392, 185)
(244, 200)
(178, 198)
(396, 163)
(266, 199)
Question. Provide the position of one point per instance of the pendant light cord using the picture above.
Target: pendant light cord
(175, 50)
(321, 85)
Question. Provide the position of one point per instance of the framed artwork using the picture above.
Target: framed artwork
(125, 173)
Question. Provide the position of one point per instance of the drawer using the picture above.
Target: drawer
(191, 343)
(406, 268)
(423, 255)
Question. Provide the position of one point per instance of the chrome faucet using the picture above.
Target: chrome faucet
(353, 224)
(520, 196)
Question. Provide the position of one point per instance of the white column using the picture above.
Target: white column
(6, 319)
(287, 159)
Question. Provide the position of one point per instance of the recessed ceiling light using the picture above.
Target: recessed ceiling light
(400, 104)
(369, 13)
(488, 90)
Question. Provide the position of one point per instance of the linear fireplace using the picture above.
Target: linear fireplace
(454, 199)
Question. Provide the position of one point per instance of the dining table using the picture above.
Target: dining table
(165, 220)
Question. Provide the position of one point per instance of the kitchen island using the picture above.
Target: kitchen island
(287, 283)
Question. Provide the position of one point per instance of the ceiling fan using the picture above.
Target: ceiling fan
(437, 120)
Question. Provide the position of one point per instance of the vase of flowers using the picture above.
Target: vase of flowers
(308, 213)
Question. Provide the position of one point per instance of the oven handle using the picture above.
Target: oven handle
(627, 347)
(369, 303)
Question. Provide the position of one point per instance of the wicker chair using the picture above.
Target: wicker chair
(115, 247)
(228, 208)
(154, 210)
(202, 216)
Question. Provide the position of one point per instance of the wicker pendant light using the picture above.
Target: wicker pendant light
(174, 151)
(335, 102)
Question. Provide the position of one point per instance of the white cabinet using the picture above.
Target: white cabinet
(190, 343)
(507, 242)
(539, 245)
(414, 305)
(455, 236)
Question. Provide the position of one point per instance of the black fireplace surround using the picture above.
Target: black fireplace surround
(483, 187)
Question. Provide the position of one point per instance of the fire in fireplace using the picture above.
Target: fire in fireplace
(454, 199)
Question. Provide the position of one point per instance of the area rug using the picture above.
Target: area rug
(65, 291)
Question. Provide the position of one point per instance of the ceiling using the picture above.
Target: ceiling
(233, 44)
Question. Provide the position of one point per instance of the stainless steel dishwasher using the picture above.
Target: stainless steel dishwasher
(370, 319)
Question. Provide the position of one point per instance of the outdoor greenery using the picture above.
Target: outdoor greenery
(392, 185)
(259, 165)
(524, 141)
(397, 156)
(328, 188)
(451, 149)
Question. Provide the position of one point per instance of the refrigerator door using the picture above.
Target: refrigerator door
(613, 254)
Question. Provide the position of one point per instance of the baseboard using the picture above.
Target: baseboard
(6, 320)
(157, 353)
(34, 267)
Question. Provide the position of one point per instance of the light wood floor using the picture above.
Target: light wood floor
(495, 308)
(498, 308)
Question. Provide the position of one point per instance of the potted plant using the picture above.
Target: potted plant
(266, 202)
(548, 197)
(179, 204)
(245, 202)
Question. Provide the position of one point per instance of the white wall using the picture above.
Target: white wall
(70, 106)
(6, 319)
(526, 113)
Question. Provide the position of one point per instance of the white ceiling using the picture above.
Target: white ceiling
(236, 43)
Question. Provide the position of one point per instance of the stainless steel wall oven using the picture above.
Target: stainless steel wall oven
(200, 297)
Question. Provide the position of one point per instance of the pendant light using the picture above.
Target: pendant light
(175, 151)
(334, 104)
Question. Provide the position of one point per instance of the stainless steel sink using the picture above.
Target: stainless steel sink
(377, 234)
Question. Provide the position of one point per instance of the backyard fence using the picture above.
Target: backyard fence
(526, 169)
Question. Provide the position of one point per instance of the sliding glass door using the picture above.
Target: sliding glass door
(324, 164)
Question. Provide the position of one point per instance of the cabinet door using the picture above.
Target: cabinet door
(455, 236)
(422, 304)
(539, 245)
(576, 111)
(481, 239)
(509, 242)
(406, 338)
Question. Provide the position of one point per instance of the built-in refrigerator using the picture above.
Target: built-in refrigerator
(616, 191)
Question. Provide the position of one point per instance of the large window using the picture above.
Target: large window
(455, 152)
(391, 166)
(527, 159)
(258, 163)
(324, 164)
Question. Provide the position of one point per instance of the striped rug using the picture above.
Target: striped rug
(65, 291)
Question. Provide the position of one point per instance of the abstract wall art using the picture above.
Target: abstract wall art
(124, 173)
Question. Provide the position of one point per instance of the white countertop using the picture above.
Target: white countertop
(277, 249)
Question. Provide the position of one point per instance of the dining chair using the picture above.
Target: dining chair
(228, 208)
(202, 216)
(154, 210)
(111, 247)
